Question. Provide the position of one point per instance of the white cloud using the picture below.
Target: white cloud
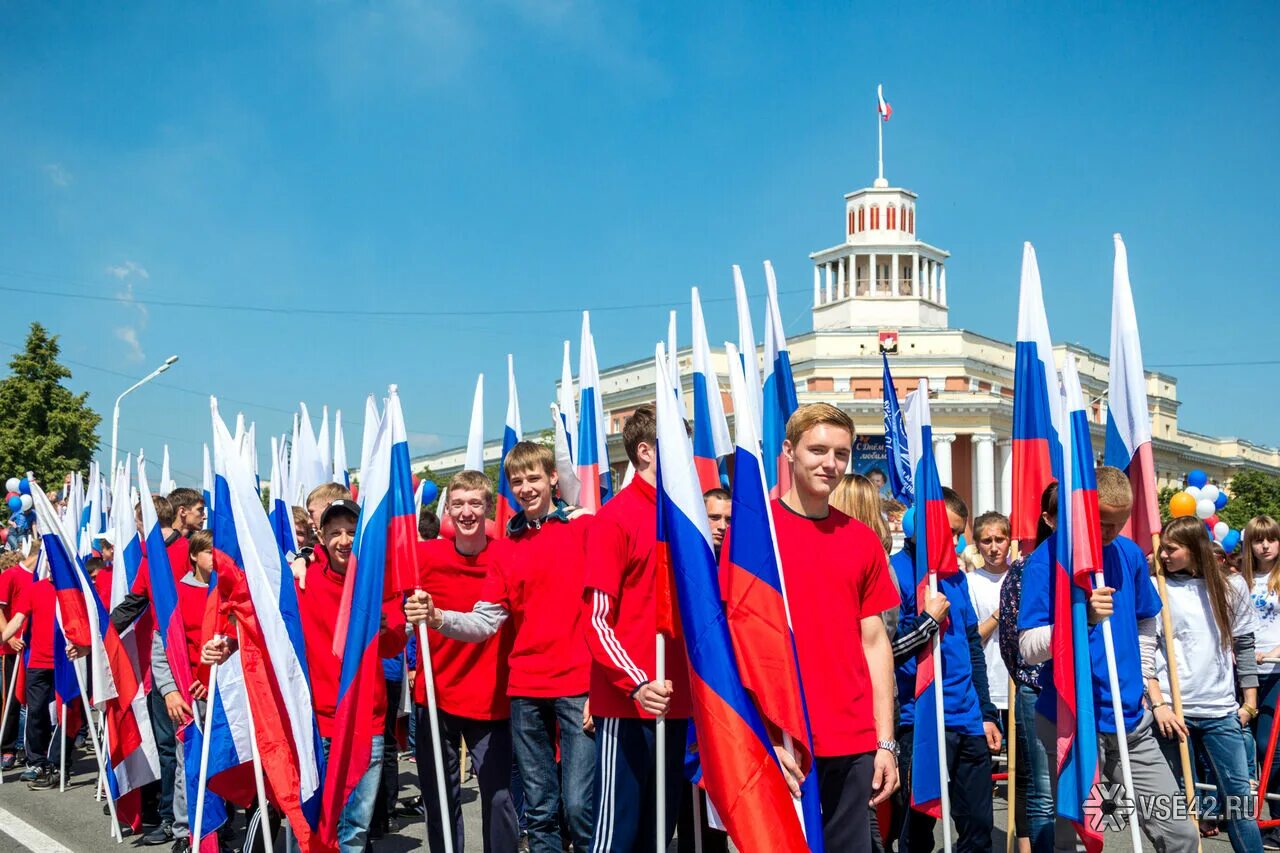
(58, 175)
(129, 335)
(129, 273)
(129, 269)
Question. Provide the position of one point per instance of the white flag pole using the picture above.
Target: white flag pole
(1117, 709)
(62, 749)
(945, 782)
(8, 701)
(660, 748)
(98, 749)
(433, 714)
(267, 841)
(203, 783)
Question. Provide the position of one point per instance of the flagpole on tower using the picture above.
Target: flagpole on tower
(883, 111)
(880, 147)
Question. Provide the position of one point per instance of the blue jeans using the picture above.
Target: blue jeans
(534, 726)
(1035, 812)
(1221, 741)
(353, 823)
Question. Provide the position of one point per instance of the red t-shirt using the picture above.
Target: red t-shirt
(102, 583)
(471, 678)
(36, 602)
(620, 612)
(13, 581)
(192, 599)
(179, 552)
(319, 603)
(539, 583)
(836, 574)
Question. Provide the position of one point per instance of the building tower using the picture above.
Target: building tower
(881, 276)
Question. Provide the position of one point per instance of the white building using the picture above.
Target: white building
(883, 282)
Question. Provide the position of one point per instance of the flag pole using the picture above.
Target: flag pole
(880, 140)
(97, 751)
(1117, 710)
(1175, 688)
(945, 789)
(429, 682)
(1011, 768)
(197, 829)
(8, 699)
(267, 841)
(62, 749)
(660, 747)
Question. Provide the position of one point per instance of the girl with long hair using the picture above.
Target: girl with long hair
(1260, 559)
(1212, 618)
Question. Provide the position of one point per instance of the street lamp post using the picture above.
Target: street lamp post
(115, 415)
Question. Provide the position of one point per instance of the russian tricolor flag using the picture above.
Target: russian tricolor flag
(164, 591)
(592, 447)
(341, 474)
(1128, 444)
(740, 771)
(280, 513)
(1077, 556)
(935, 557)
(1037, 454)
(779, 389)
(711, 440)
(759, 618)
(747, 349)
(564, 422)
(255, 585)
(508, 506)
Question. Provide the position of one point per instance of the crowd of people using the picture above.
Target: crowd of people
(543, 661)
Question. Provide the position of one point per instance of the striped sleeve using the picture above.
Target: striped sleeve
(605, 647)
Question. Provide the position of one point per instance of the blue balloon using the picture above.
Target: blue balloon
(430, 491)
(15, 505)
(909, 523)
(1231, 540)
(1221, 501)
(24, 487)
(961, 545)
(1197, 478)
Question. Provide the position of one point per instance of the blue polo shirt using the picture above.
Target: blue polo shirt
(960, 704)
(1124, 567)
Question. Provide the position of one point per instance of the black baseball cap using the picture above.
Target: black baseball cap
(342, 505)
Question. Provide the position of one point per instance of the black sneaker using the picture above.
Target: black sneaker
(30, 774)
(181, 845)
(1271, 839)
(46, 778)
(162, 834)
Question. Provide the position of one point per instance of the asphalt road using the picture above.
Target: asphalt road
(53, 822)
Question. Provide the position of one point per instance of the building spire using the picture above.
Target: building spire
(883, 111)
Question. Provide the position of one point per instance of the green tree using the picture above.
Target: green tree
(1252, 493)
(44, 427)
(1162, 498)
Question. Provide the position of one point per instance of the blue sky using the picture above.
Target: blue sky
(488, 156)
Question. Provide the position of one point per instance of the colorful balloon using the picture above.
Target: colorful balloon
(1204, 508)
(1210, 492)
(909, 522)
(15, 504)
(430, 491)
(24, 487)
(1220, 531)
(961, 545)
(11, 484)
(26, 501)
(1182, 504)
(1221, 502)
(1197, 478)
(1194, 491)
(1231, 541)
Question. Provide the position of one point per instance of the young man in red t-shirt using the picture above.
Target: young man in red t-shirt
(34, 609)
(14, 578)
(538, 585)
(470, 677)
(838, 584)
(622, 620)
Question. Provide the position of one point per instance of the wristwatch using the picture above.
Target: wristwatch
(890, 746)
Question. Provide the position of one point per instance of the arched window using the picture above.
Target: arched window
(890, 219)
(862, 218)
(850, 229)
(875, 217)
(911, 220)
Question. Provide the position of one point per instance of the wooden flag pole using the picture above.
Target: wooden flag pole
(1011, 834)
(1175, 689)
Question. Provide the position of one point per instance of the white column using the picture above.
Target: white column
(917, 276)
(942, 287)
(984, 472)
(827, 267)
(1006, 476)
(893, 273)
(817, 286)
(942, 456)
(839, 278)
(871, 274)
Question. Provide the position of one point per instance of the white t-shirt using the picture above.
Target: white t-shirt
(1266, 608)
(1206, 669)
(984, 594)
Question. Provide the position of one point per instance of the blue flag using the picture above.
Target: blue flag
(897, 457)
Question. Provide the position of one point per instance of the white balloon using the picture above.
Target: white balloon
(1194, 492)
(12, 484)
(1204, 509)
(27, 503)
(1220, 531)
(1210, 492)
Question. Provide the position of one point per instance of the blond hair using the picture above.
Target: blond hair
(811, 415)
(1114, 489)
(327, 493)
(1261, 528)
(470, 481)
(528, 456)
(857, 497)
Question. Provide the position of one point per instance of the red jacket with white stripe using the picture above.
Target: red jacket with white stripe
(620, 607)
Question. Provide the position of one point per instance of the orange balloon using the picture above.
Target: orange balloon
(1182, 504)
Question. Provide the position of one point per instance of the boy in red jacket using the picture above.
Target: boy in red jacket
(622, 619)
(538, 585)
(470, 677)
